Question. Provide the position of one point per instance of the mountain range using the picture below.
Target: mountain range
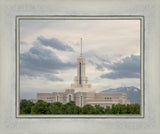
(133, 93)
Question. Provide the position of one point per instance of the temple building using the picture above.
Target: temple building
(81, 92)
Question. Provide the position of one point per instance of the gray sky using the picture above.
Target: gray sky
(49, 50)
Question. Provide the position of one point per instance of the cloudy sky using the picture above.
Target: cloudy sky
(49, 50)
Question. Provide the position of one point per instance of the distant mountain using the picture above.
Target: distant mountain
(133, 93)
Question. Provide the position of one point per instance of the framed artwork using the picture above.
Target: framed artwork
(48, 61)
(79, 67)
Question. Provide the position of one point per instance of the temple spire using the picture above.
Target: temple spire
(81, 47)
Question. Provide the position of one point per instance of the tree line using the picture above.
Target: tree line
(42, 107)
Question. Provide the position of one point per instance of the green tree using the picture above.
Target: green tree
(113, 109)
(136, 109)
(77, 110)
(108, 110)
(56, 108)
(130, 108)
(88, 109)
(123, 109)
(70, 108)
(99, 109)
(120, 109)
(117, 109)
(25, 106)
(40, 107)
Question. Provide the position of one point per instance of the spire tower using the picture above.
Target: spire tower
(81, 80)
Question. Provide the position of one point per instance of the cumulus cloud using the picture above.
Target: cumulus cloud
(54, 43)
(52, 77)
(97, 61)
(128, 67)
(98, 66)
(39, 61)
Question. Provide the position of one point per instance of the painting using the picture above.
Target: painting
(80, 66)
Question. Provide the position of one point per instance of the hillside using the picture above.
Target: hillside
(133, 93)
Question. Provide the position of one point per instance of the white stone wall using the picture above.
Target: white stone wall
(83, 98)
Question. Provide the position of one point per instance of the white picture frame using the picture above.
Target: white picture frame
(9, 123)
(140, 18)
